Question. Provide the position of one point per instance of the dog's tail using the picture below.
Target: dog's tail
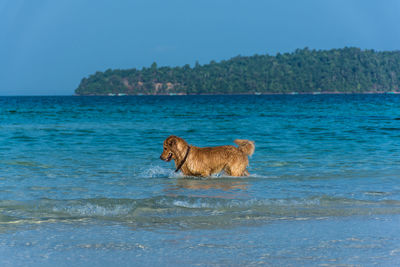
(246, 146)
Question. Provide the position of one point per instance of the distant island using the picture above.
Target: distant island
(346, 70)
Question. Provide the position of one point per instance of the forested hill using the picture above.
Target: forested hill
(347, 70)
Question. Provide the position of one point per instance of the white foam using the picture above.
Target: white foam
(196, 205)
(89, 209)
(159, 172)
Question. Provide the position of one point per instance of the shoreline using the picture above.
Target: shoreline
(254, 93)
(216, 94)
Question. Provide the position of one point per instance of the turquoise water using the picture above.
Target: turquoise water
(81, 182)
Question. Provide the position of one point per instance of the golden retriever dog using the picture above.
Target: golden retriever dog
(204, 161)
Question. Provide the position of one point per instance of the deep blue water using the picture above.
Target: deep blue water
(81, 182)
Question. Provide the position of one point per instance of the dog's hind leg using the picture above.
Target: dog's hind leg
(205, 173)
(237, 172)
(227, 170)
(237, 168)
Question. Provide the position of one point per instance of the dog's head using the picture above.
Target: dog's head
(172, 147)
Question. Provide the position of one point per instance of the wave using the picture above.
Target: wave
(183, 211)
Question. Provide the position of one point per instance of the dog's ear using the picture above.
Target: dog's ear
(172, 142)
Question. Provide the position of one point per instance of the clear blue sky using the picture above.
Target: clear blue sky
(48, 46)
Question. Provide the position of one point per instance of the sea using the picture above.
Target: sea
(82, 184)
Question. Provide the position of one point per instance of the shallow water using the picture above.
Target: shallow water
(81, 181)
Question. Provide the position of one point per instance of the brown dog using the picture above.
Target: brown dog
(204, 161)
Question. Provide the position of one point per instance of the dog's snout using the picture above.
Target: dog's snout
(161, 158)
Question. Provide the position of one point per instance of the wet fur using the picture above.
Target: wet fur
(205, 161)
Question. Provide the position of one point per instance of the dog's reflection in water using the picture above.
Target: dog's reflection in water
(205, 184)
(222, 188)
